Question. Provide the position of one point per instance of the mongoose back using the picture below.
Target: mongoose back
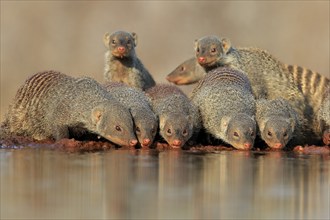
(278, 123)
(179, 119)
(122, 63)
(269, 77)
(49, 104)
(323, 117)
(186, 73)
(227, 107)
(145, 120)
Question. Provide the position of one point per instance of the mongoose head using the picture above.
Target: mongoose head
(240, 131)
(145, 125)
(212, 51)
(176, 129)
(121, 43)
(277, 131)
(114, 122)
(186, 73)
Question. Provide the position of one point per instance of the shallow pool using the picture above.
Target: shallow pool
(127, 184)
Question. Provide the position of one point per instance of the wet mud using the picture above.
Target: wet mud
(72, 146)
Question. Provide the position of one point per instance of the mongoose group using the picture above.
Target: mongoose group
(242, 94)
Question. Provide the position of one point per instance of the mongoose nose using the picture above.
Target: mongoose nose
(121, 49)
(247, 146)
(133, 142)
(201, 59)
(278, 145)
(146, 141)
(176, 143)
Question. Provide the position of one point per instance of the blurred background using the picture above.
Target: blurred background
(67, 35)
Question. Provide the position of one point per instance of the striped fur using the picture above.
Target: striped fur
(52, 105)
(312, 84)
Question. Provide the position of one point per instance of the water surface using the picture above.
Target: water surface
(123, 184)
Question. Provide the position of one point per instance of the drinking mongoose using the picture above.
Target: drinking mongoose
(269, 77)
(278, 123)
(323, 117)
(186, 73)
(227, 107)
(122, 63)
(50, 104)
(179, 119)
(145, 120)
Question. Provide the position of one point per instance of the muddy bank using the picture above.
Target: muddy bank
(72, 145)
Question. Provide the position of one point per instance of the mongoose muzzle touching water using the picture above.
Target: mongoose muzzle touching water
(179, 119)
(122, 63)
(145, 120)
(269, 77)
(278, 123)
(227, 107)
(50, 104)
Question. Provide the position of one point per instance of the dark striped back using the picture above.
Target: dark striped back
(225, 76)
(35, 87)
(310, 83)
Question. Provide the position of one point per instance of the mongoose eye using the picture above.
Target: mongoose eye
(285, 134)
(113, 42)
(236, 134)
(269, 133)
(252, 134)
(182, 68)
(137, 129)
(169, 131)
(197, 49)
(213, 50)
(118, 128)
(185, 132)
(129, 42)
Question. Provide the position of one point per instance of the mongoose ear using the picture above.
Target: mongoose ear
(161, 122)
(224, 123)
(96, 115)
(195, 44)
(292, 124)
(226, 45)
(134, 37)
(106, 39)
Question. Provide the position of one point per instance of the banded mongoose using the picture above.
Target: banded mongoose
(269, 77)
(122, 63)
(227, 107)
(145, 120)
(186, 73)
(179, 119)
(50, 104)
(323, 117)
(278, 123)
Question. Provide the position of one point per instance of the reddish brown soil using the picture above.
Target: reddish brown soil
(71, 146)
(312, 149)
(326, 138)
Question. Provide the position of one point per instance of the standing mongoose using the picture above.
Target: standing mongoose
(323, 117)
(278, 123)
(122, 63)
(51, 104)
(269, 77)
(227, 107)
(145, 120)
(186, 73)
(179, 119)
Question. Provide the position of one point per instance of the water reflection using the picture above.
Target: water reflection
(123, 184)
